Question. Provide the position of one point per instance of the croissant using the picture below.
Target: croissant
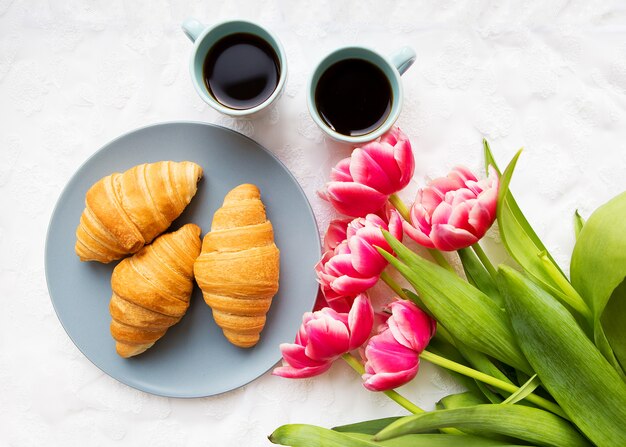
(151, 290)
(238, 267)
(123, 212)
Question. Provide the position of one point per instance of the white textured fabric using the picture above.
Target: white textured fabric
(74, 74)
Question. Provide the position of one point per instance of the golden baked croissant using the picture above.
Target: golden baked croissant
(123, 212)
(151, 290)
(237, 269)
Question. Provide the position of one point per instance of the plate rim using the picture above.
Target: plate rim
(72, 179)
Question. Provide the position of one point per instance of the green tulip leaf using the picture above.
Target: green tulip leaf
(568, 364)
(512, 208)
(478, 275)
(467, 313)
(523, 391)
(367, 427)
(523, 244)
(459, 400)
(612, 320)
(528, 424)
(579, 223)
(598, 268)
(469, 399)
(302, 435)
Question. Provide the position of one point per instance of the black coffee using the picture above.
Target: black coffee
(241, 71)
(353, 97)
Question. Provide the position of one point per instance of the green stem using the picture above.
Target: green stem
(489, 380)
(484, 259)
(393, 285)
(399, 205)
(392, 394)
(441, 260)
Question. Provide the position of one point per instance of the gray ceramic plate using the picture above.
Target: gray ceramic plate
(193, 359)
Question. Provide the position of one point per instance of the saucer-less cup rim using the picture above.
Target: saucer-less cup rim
(392, 68)
(204, 37)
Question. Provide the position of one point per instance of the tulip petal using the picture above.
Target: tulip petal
(389, 381)
(328, 339)
(360, 321)
(340, 265)
(371, 232)
(479, 219)
(459, 196)
(388, 363)
(476, 187)
(383, 153)
(346, 285)
(385, 354)
(489, 199)
(374, 220)
(340, 303)
(442, 185)
(290, 372)
(417, 235)
(447, 238)
(394, 135)
(403, 153)
(430, 198)
(442, 213)
(334, 315)
(341, 171)
(301, 337)
(459, 217)
(354, 199)
(366, 169)
(295, 356)
(409, 325)
(420, 217)
(335, 233)
(395, 225)
(365, 258)
(461, 174)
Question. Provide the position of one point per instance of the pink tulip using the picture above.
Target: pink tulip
(349, 197)
(355, 265)
(364, 235)
(454, 212)
(362, 183)
(324, 336)
(392, 356)
(386, 165)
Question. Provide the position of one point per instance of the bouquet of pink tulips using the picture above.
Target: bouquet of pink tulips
(542, 357)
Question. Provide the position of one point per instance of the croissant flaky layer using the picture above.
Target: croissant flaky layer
(123, 212)
(151, 290)
(238, 267)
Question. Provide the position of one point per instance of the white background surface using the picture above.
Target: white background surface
(74, 74)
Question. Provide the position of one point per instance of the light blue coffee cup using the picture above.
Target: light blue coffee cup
(392, 67)
(204, 37)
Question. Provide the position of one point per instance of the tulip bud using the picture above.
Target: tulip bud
(324, 336)
(386, 165)
(392, 356)
(355, 265)
(362, 183)
(454, 212)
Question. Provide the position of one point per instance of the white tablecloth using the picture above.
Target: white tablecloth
(74, 74)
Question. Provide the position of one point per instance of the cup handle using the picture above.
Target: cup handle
(192, 28)
(403, 59)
